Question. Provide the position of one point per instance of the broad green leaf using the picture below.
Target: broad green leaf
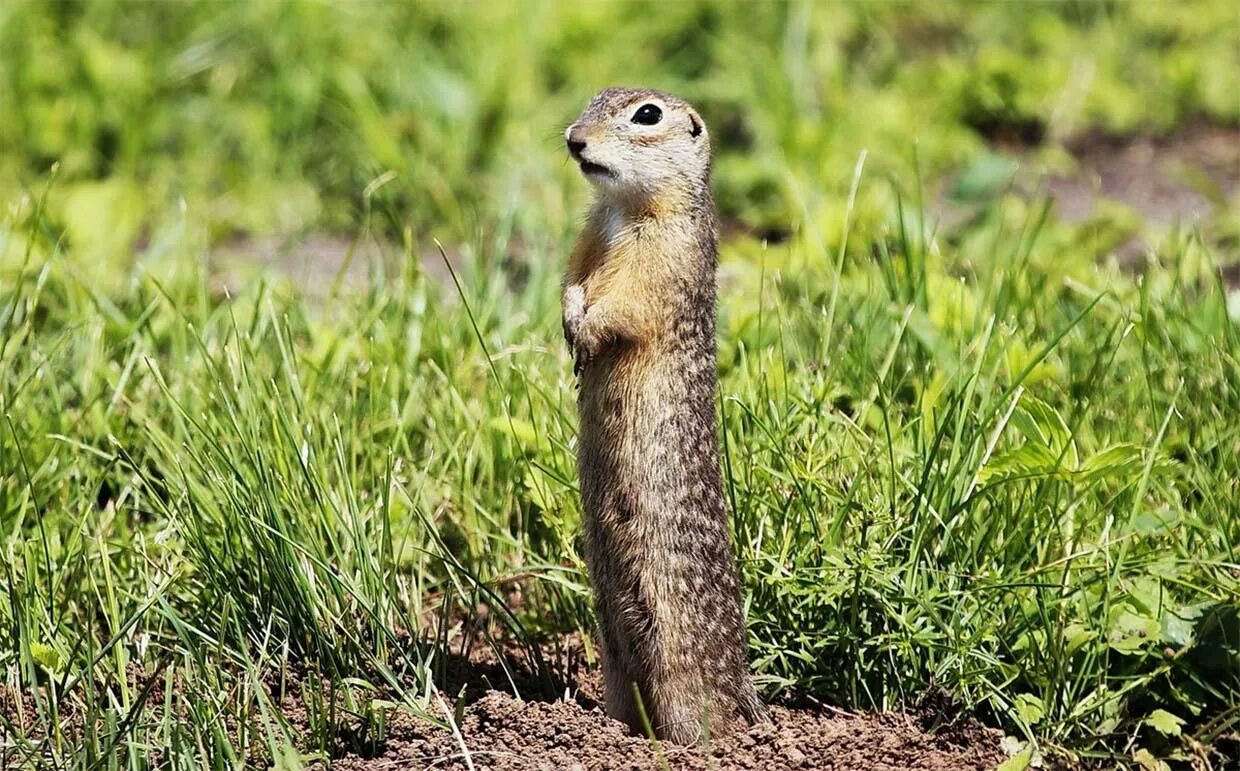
(1177, 626)
(1164, 722)
(1031, 459)
(984, 178)
(1130, 631)
(1041, 423)
(1077, 636)
(1122, 461)
(1148, 762)
(46, 656)
(1018, 762)
(1147, 521)
(1029, 708)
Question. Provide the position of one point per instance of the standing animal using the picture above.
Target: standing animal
(639, 316)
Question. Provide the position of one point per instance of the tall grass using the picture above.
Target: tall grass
(1031, 513)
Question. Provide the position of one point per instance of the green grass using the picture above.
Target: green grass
(974, 463)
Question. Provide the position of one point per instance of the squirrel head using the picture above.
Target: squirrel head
(643, 144)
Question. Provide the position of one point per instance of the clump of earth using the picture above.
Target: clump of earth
(560, 724)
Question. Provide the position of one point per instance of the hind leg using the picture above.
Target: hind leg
(681, 722)
(696, 697)
(680, 703)
(689, 712)
(617, 665)
(619, 692)
(751, 707)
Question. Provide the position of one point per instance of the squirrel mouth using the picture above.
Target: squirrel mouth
(595, 169)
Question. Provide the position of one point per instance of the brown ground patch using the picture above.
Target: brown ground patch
(558, 722)
(1190, 178)
(1181, 177)
(1186, 178)
(318, 264)
(500, 731)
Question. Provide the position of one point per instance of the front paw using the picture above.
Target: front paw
(574, 313)
(586, 344)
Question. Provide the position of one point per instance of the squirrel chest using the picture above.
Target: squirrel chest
(627, 266)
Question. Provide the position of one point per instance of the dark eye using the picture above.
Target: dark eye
(648, 115)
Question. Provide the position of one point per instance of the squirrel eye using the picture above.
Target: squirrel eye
(648, 115)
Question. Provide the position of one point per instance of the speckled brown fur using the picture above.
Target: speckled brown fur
(640, 317)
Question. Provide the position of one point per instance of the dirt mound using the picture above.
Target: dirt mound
(500, 731)
(560, 724)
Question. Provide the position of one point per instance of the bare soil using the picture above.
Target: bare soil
(500, 731)
(559, 723)
(1186, 178)
(1181, 177)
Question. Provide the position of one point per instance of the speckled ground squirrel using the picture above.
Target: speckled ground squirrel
(639, 315)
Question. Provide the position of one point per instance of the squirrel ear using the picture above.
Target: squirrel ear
(696, 131)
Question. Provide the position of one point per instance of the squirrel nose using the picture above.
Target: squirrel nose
(575, 144)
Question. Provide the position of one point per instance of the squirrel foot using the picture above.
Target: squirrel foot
(585, 348)
(574, 311)
(581, 337)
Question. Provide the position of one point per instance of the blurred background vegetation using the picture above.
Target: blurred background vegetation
(274, 117)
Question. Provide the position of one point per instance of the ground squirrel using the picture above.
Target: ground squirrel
(639, 315)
